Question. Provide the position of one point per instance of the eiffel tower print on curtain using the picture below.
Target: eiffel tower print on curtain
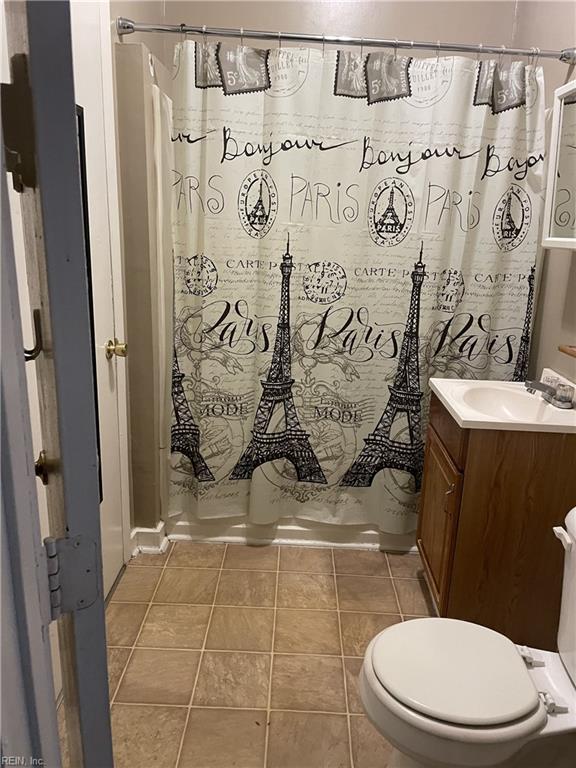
(509, 227)
(521, 367)
(389, 223)
(381, 450)
(185, 435)
(258, 216)
(291, 442)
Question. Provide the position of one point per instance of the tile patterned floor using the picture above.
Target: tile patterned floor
(228, 655)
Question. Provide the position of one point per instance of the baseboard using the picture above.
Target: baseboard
(296, 533)
(151, 541)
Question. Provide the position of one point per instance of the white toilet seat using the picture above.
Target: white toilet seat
(454, 671)
(521, 728)
(431, 739)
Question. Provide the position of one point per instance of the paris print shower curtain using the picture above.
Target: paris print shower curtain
(345, 227)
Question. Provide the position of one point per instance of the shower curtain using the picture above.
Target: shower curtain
(345, 226)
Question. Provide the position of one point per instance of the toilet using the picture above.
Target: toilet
(446, 692)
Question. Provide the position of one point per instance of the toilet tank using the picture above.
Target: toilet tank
(567, 626)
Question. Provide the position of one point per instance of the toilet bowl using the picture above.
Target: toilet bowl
(446, 692)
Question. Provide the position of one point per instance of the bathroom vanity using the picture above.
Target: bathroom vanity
(499, 474)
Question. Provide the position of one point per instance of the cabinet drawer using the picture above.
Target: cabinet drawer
(453, 437)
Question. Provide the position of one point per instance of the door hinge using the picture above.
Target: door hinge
(18, 125)
(72, 574)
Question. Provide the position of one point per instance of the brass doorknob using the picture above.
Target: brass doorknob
(120, 349)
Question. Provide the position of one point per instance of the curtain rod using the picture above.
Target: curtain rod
(127, 27)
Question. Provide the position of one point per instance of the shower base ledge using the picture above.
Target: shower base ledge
(295, 533)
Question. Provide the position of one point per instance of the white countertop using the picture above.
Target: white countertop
(502, 405)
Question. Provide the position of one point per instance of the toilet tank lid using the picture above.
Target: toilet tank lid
(454, 671)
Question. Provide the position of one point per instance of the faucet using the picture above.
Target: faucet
(557, 394)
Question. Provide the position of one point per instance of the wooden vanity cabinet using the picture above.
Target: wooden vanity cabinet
(489, 501)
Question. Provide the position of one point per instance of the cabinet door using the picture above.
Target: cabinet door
(441, 491)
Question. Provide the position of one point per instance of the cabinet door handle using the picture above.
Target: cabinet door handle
(451, 489)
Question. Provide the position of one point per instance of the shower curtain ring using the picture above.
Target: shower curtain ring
(279, 40)
(479, 50)
(361, 47)
(395, 48)
(437, 51)
(502, 52)
(204, 35)
(323, 45)
(242, 37)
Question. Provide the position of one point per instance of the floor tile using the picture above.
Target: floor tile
(264, 558)
(117, 658)
(185, 585)
(308, 741)
(146, 559)
(306, 559)
(255, 588)
(306, 590)
(361, 562)
(308, 682)
(307, 631)
(137, 585)
(405, 566)
(232, 679)
(159, 677)
(369, 748)
(352, 668)
(241, 629)
(175, 626)
(146, 736)
(123, 621)
(193, 554)
(224, 738)
(414, 597)
(361, 593)
(359, 628)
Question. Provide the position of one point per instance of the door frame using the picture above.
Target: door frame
(94, 90)
(54, 235)
(29, 726)
(107, 34)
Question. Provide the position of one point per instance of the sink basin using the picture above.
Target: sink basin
(502, 405)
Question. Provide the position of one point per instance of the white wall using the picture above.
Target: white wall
(148, 12)
(553, 25)
(470, 21)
